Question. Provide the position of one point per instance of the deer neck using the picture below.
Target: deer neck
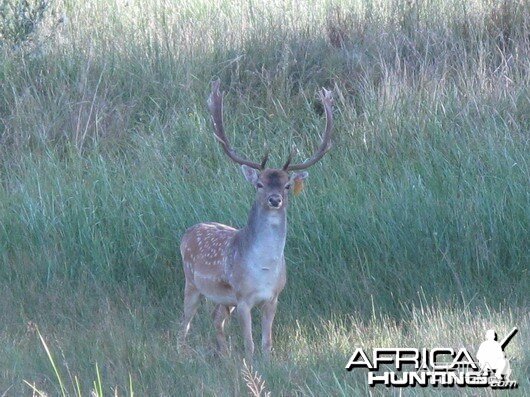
(266, 230)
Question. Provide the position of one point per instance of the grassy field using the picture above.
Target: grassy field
(414, 231)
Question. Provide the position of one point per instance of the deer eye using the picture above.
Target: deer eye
(259, 185)
(288, 186)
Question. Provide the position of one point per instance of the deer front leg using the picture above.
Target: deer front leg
(267, 318)
(243, 311)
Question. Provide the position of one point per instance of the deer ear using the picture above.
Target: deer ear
(299, 176)
(298, 179)
(251, 174)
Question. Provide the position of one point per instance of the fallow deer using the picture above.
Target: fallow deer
(242, 268)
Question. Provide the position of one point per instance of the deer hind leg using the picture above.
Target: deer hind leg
(191, 303)
(220, 315)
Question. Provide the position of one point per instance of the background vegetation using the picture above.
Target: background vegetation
(412, 232)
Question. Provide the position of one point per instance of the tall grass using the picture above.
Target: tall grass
(413, 230)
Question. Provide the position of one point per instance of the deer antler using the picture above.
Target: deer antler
(327, 101)
(215, 104)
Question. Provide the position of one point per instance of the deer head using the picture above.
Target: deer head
(272, 184)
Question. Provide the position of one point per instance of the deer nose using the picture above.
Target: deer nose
(275, 200)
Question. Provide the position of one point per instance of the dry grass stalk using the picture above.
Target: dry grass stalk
(254, 381)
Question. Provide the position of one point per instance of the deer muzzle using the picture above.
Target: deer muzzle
(275, 201)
